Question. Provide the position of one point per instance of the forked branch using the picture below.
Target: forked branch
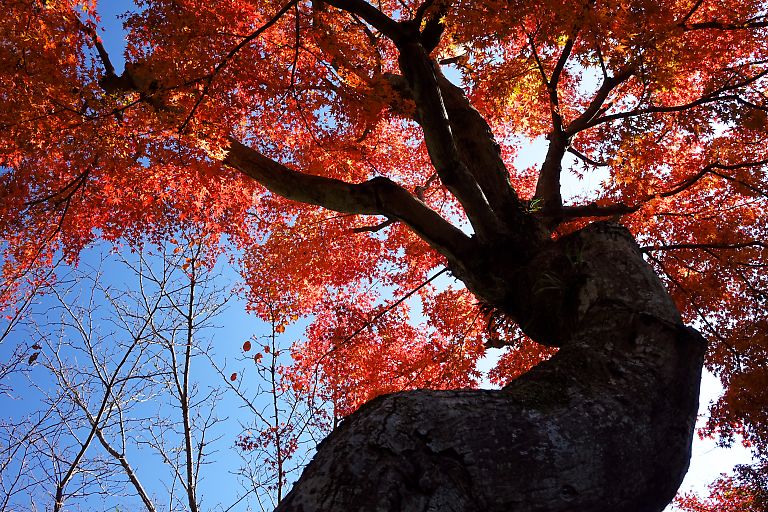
(377, 196)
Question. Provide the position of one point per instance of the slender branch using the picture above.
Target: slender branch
(594, 210)
(760, 22)
(120, 457)
(691, 12)
(390, 307)
(103, 408)
(537, 60)
(712, 97)
(374, 228)
(584, 158)
(242, 44)
(595, 107)
(715, 245)
(189, 319)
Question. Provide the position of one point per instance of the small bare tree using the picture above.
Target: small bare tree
(114, 381)
(117, 397)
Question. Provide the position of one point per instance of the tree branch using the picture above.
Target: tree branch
(716, 245)
(375, 228)
(548, 184)
(714, 96)
(418, 70)
(594, 210)
(377, 19)
(478, 150)
(378, 196)
(584, 158)
(691, 12)
(595, 107)
(239, 46)
(759, 22)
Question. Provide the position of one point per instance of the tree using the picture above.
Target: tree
(253, 119)
(115, 389)
(120, 407)
(289, 419)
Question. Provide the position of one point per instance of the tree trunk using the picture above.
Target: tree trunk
(605, 425)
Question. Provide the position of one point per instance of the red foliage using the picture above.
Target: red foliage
(666, 96)
(747, 492)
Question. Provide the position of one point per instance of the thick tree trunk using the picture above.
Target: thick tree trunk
(605, 425)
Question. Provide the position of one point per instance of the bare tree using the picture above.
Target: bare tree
(123, 403)
(114, 378)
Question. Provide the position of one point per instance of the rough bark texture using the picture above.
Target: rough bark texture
(605, 425)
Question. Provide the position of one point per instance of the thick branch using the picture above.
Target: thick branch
(552, 83)
(377, 19)
(433, 27)
(378, 196)
(548, 184)
(418, 69)
(480, 152)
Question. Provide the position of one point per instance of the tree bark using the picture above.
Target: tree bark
(604, 425)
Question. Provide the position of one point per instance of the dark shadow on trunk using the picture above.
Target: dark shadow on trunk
(605, 425)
